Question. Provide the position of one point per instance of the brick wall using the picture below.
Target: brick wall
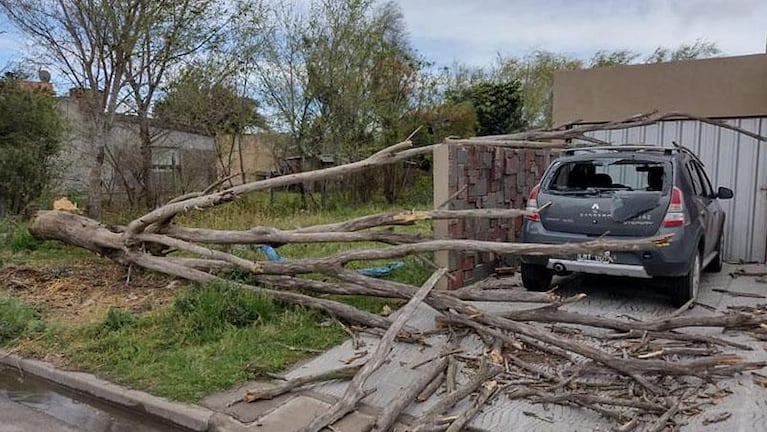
(489, 177)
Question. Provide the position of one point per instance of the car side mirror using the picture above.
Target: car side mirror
(724, 193)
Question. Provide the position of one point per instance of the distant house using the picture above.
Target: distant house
(263, 155)
(182, 160)
(731, 89)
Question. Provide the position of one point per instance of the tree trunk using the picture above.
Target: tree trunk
(239, 152)
(146, 180)
(94, 176)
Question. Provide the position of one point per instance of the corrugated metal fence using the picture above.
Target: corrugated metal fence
(731, 159)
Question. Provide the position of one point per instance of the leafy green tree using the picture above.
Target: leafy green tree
(203, 100)
(688, 51)
(339, 77)
(535, 73)
(498, 106)
(603, 58)
(30, 135)
(206, 100)
(456, 120)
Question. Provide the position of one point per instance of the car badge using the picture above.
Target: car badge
(595, 207)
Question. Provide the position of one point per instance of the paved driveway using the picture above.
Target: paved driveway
(611, 297)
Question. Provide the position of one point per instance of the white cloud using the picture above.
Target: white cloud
(475, 31)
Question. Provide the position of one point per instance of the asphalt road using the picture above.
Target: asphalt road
(15, 417)
(31, 405)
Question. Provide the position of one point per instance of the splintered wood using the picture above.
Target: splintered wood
(633, 373)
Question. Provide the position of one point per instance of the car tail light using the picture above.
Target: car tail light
(675, 215)
(532, 204)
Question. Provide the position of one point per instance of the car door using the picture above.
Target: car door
(714, 211)
(707, 206)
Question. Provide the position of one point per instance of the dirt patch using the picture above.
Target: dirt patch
(81, 292)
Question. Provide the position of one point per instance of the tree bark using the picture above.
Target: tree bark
(95, 174)
(347, 372)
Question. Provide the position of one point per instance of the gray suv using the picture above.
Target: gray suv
(624, 192)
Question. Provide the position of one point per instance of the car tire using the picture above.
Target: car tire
(536, 277)
(715, 266)
(684, 288)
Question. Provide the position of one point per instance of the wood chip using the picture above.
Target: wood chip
(716, 419)
(738, 293)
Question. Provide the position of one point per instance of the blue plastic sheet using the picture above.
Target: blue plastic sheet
(376, 272)
(271, 253)
(382, 270)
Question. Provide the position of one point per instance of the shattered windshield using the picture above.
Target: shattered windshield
(610, 174)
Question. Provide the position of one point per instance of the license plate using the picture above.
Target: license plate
(605, 258)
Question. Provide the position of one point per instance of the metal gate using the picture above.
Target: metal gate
(732, 160)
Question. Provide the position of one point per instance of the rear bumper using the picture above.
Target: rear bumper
(563, 265)
(673, 260)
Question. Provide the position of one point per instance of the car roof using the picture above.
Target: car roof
(613, 150)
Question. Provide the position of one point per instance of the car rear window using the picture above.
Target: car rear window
(611, 174)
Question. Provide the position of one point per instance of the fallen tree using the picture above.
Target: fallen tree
(646, 386)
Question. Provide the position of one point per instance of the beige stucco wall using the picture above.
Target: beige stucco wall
(718, 87)
(441, 172)
(257, 154)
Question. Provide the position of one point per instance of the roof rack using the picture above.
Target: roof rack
(636, 148)
(689, 152)
(620, 148)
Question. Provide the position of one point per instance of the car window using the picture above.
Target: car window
(611, 173)
(705, 183)
(697, 188)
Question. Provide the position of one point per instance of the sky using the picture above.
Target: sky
(475, 32)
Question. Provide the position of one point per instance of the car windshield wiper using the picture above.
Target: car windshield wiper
(587, 191)
(614, 188)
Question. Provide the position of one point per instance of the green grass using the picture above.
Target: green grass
(17, 246)
(211, 337)
(17, 320)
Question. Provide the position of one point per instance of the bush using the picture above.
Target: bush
(17, 319)
(30, 133)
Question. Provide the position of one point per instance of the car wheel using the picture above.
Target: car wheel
(536, 277)
(686, 287)
(715, 266)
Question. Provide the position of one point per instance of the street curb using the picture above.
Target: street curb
(192, 417)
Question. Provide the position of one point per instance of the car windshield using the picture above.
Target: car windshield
(609, 174)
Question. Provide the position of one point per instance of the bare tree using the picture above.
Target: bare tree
(168, 32)
(279, 60)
